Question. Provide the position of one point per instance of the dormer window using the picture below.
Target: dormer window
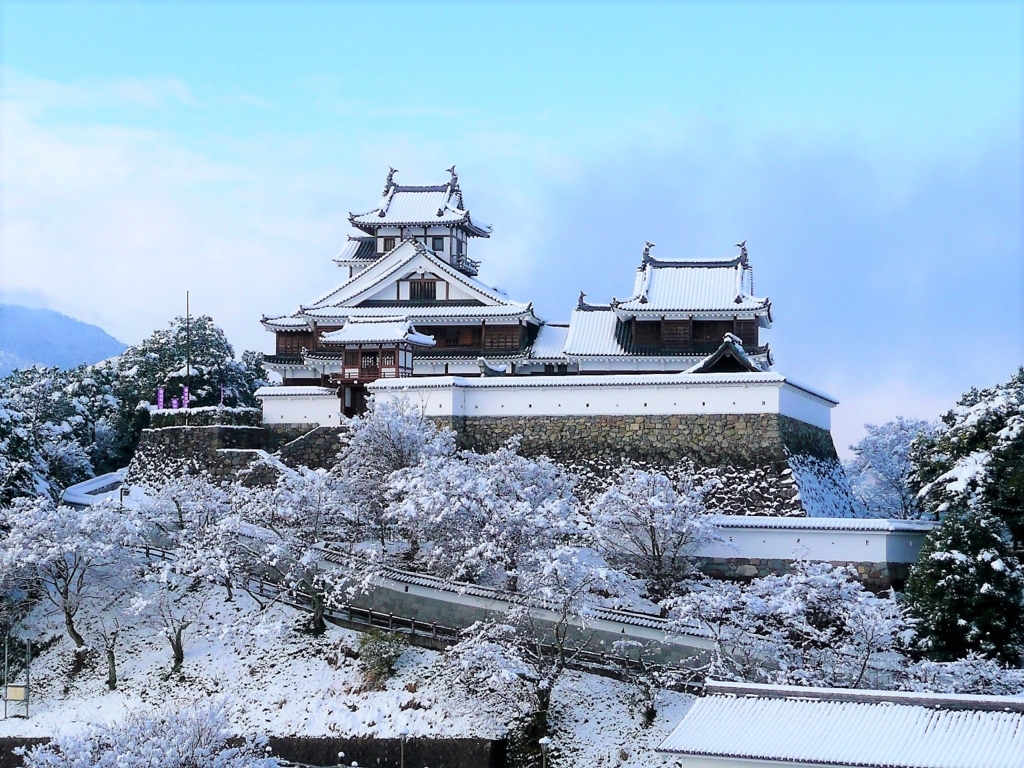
(438, 245)
(389, 244)
(422, 290)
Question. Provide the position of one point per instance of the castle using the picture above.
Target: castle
(675, 369)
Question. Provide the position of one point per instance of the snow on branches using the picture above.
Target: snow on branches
(650, 527)
(816, 626)
(880, 469)
(200, 735)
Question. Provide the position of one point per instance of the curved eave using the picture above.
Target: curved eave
(269, 325)
(363, 224)
(749, 313)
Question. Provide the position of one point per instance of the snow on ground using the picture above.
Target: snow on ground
(283, 682)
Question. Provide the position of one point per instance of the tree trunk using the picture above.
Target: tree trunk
(69, 622)
(318, 625)
(231, 595)
(111, 670)
(178, 647)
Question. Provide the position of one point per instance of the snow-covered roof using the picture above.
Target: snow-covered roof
(602, 380)
(592, 332)
(550, 342)
(295, 392)
(359, 249)
(729, 356)
(438, 205)
(873, 729)
(378, 330)
(285, 323)
(431, 312)
(823, 523)
(682, 286)
(393, 265)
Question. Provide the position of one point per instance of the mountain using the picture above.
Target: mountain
(44, 337)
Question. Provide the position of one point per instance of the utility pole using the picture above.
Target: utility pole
(188, 353)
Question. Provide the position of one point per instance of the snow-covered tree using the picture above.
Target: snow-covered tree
(161, 360)
(972, 674)
(289, 523)
(966, 590)
(196, 520)
(649, 527)
(483, 514)
(76, 556)
(976, 457)
(55, 428)
(169, 601)
(815, 626)
(199, 735)
(389, 437)
(880, 470)
(521, 655)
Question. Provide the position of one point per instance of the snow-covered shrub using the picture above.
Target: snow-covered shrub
(196, 737)
(482, 514)
(76, 556)
(391, 436)
(379, 652)
(649, 527)
(976, 457)
(966, 590)
(971, 675)
(880, 470)
(816, 626)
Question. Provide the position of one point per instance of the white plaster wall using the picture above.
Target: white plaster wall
(306, 409)
(836, 545)
(597, 396)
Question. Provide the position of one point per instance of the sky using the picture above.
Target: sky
(869, 153)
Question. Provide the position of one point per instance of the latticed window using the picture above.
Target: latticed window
(422, 290)
(352, 357)
(387, 357)
(289, 343)
(369, 361)
(646, 333)
(502, 337)
(711, 331)
(389, 244)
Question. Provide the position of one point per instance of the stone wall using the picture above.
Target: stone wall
(205, 417)
(874, 576)
(172, 451)
(317, 449)
(710, 439)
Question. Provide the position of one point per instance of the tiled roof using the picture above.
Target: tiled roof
(357, 249)
(424, 312)
(439, 205)
(868, 524)
(691, 286)
(286, 323)
(550, 342)
(872, 729)
(381, 330)
(295, 392)
(390, 267)
(592, 331)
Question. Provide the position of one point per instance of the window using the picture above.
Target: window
(352, 357)
(502, 337)
(389, 244)
(711, 331)
(438, 245)
(646, 333)
(291, 343)
(369, 361)
(422, 290)
(387, 357)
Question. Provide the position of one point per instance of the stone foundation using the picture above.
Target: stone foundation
(745, 440)
(874, 576)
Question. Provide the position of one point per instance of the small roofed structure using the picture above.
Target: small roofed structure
(729, 358)
(757, 726)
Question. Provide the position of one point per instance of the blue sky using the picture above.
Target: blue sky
(869, 153)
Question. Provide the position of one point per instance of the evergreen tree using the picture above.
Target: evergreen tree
(966, 590)
(976, 457)
(162, 361)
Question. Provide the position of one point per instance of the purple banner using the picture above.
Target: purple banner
(174, 403)
(160, 398)
(184, 397)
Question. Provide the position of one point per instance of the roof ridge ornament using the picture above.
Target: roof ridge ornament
(646, 258)
(581, 301)
(390, 182)
(742, 245)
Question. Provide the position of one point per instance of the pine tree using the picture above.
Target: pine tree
(966, 590)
